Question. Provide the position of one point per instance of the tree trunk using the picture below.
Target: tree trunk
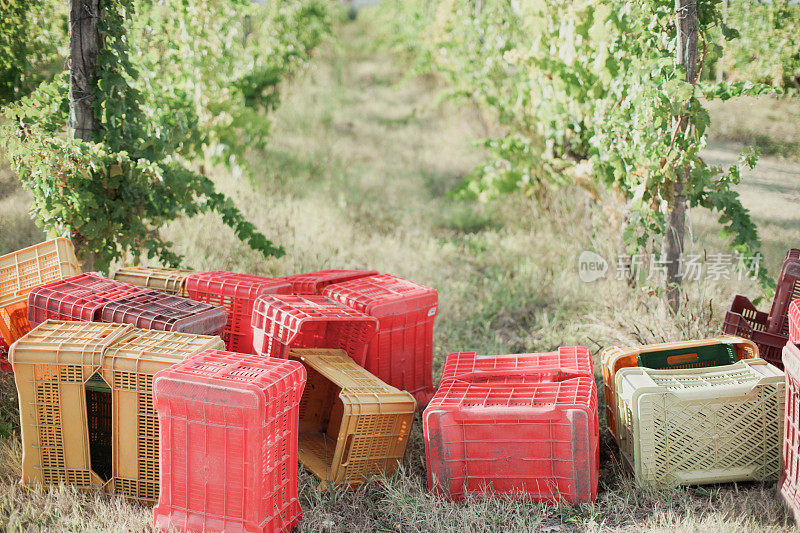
(84, 45)
(686, 55)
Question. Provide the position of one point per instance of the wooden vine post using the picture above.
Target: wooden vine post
(84, 45)
(688, 29)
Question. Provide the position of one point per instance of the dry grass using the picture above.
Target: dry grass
(358, 176)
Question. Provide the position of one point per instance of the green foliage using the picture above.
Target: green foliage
(589, 93)
(768, 48)
(30, 35)
(185, 80)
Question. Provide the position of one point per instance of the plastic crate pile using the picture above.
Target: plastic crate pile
(770, 331)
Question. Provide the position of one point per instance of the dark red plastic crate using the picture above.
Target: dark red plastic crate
(744, 320)
(229, 427)
(5, 366)
(575, 360)
(789, 484)
(788, 289)
(514, 438)
(401, 353)
(80, 298)
(794, 321)
(237, 293)
(282, 322)
(310, 283)
(165, 312)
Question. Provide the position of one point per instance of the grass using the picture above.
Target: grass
(357, 175)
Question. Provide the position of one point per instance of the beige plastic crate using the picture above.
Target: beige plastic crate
(614, 358)
(352, 425)
(85, 403)
(169, 280)
(701, 425)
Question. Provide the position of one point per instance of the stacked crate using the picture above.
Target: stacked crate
(168, 280)
(768, 330)
(229, 433)
(722, 350)
(401, 352)
(313, 283)
(701, 425)
(24, 270)
(523, 426)
(91, 297)
(283, 322)
(237, 294)
(352, 425)
(85, 402)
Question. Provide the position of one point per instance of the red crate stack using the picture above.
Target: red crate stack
(310, 283)
(228, 443)
(164, 312)
(282, 322)
(237, 293)
(789, 484)
(401, 353)
(80, 297)
(520, 426)
(787, 289)
(794, 321)
(744, 320)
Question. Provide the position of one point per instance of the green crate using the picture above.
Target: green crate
(681, 358)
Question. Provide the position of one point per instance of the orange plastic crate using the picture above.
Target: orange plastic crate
(789, 484)
(402, 351)
(283, 322)
(519, 426)
(228, 443)
(237, 293)
(615, 357)
(352, 425)
(310, 283)
(169, 280)
(86, 410)
(25, 269)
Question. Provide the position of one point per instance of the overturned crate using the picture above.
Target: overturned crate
(701, 425)
(722, 350)
(237, 293)
(401, 353)
(228, 433)
(26, 269)
(168, 280)
(515, 425)
(352, 425)
(86, 410)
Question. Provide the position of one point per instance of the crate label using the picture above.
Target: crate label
(431, 311)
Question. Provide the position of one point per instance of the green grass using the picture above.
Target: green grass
(357, 175)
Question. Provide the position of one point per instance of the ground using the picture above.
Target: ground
(358, 174)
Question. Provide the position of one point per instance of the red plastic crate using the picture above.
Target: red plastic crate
(788, 289)
(80, 298)
(514, 437)
(282, 322)
(5, 366)
(401, 353)
(228, 443)
(744, 320)
(789, 484)
(794, 321)
(310, 283)
(164, 312)
(14, 320)
(237, 293)
(575, 360)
